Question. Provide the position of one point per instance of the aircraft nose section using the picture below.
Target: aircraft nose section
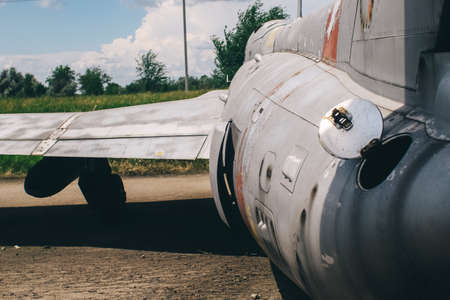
(425, 221)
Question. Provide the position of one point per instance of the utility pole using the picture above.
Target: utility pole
(299, 9)
(186, 76)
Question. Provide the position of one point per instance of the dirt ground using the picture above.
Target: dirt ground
(169, 245)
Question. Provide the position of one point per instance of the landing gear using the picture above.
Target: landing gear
(287, 289)
(103, 191)
(51, 175)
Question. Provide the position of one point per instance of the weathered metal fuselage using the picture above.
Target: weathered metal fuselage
(372, 228)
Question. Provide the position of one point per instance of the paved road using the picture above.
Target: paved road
(170, 245)
(139, 189)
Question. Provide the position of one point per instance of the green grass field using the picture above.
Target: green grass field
(17, 166)
(88, 103)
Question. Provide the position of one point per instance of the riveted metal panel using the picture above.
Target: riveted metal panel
(17, 147)
(389, 37)
(30, 126)
(346, 27)
(384, 59)
(306, 35)
(383, 18)
(187, 122)
(286, 40)
(187, 147)
(317, 96)
(292, 166)
(261, 41)
(184, 117)
(205, 150)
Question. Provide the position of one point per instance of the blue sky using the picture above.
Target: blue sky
(37, 36)
(28, 27)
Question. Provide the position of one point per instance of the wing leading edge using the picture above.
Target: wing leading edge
(167, 130)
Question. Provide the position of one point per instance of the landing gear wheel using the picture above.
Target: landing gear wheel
(103, 191)
(287, 289)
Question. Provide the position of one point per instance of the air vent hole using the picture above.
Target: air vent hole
(303, 218)
(377, 165)
(314, 192)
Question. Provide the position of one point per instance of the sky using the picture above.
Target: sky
(36, 36)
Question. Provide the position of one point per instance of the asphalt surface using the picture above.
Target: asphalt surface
(170, 244)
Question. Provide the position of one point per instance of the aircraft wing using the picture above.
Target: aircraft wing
(167, 130)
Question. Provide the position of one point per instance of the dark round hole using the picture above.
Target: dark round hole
(377, 165)
(314, 192)
(303, 218)
(269, 172)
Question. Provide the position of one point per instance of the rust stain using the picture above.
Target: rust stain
(287, 96)
(240, 181)
(277, 88)
(366, 20)
(369, 12)
(297, 73)
(331, 38)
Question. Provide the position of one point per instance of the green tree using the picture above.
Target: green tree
(11, 83)
(134, 87)
(62, 81)
(40, 90)
(93, 81)
(230, 51)
(151, 72)
(32, 87)
(113, 89)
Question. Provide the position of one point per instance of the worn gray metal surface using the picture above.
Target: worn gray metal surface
(171, 130)
(365, 228)
(177, 147)
(378, 44)
(373, 227)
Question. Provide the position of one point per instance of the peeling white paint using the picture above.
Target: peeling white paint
(333, 20)
(327, 260)
(391, 176)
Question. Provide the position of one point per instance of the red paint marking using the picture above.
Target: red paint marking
(369, 12)
(366, 20)
(331, 42)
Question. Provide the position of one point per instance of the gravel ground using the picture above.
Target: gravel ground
(176, 249)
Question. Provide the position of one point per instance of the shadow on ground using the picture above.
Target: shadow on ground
(186, 226)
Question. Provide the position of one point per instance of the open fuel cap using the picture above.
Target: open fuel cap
(349, 127)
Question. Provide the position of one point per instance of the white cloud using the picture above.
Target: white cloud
(161, 30)
(50, 3)
(156, 3)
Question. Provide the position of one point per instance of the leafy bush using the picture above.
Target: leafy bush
(93, 81)
(11, 83)
(62, 81)
(230, 52)
(151, 72)
(113, 89)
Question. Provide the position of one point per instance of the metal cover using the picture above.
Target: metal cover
(350, 126)
(292, 166)
(181, 147)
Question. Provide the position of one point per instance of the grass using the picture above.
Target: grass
(16, 166)
(88, 103)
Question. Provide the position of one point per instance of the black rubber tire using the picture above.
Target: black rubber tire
(287, 289)
(105, 195)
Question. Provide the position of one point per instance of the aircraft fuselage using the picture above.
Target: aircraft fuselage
(369, 228)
